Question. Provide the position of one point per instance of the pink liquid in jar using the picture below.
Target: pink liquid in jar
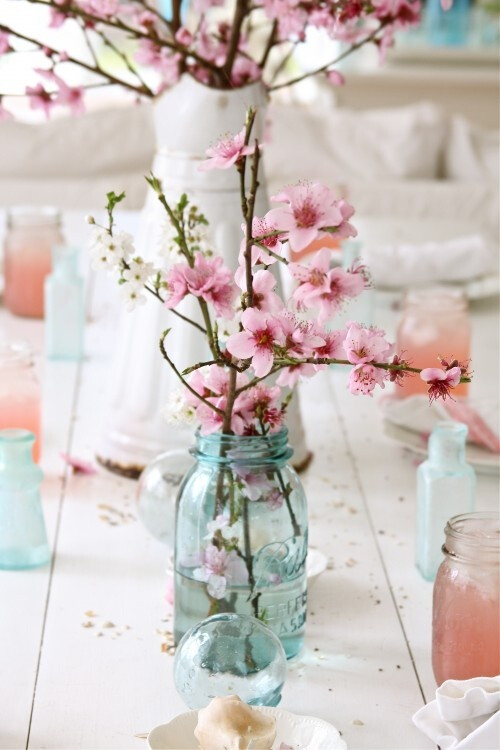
(31, 235)
(466, 606)
(20, 402)
(435, 323)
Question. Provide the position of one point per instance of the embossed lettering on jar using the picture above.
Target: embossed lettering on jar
(241, 536)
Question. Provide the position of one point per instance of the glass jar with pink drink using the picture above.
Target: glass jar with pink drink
(20, 397)
(31, 235)
(466, 605)
(435, 321)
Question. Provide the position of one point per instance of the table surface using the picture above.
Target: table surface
(366, 665)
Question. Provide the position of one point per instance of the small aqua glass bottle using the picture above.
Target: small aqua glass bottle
(64, 306)
(446, 486)
(23, 538)
(447, 28)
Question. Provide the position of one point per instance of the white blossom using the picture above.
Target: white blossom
(132, 295)
(107, 251)
(139, 271)
(178, 411)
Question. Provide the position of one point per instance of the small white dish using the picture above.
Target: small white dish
(300, 732)
(316, 563)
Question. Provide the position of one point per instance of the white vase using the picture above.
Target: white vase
(188, 118)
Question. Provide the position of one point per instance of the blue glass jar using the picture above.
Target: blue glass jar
(64, 306)
(241, 536)
(23, 539)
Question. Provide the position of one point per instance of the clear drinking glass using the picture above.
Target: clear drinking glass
(241, 536)
(20, 396)
(435, 322)
(466, 606)
(31, 234)
(23, 539)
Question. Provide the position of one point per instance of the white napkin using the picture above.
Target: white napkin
(416, 414)
(464, 716)
(400, 265)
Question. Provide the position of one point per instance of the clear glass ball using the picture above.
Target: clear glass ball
(157, 490)
(230, 654)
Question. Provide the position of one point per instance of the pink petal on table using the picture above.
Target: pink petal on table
(78, 466)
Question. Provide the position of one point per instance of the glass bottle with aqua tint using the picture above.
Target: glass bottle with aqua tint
(64, 306)
(241, 536)
(23, 539)
(446, 486)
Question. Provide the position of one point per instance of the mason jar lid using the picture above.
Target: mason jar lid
(474, 537)
(14, 354)
(442, 299)
(33, 216)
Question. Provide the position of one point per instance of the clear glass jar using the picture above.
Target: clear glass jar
(466, 605)
(20, 395)
(241, 536)
(435, 322)
(31, 235)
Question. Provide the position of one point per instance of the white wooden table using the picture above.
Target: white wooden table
(366, 666)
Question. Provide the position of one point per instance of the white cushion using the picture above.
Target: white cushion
(98, 143)
(343, 145)
(472, 153)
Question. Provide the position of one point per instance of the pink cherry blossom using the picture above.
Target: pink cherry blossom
(275, 499)
(4, 43)
(78, 465)
(57, 19)
(257, 341)
(441, 381)
(254, 483)
(301, 336)
(289, 376)
(220, 568)
(333, 346)
(263, 285)
(226, 152)
(320, 287)
(211, 421)
(261, 404)
(335, 78)
(160, 59)
(364, 378)
(177, 287)
(261, 228)
(245, 70)
(71, 96)
(363, 345)
(291, 17)
(310, 207)
(39, 98)
(212, 281)
(184, 37)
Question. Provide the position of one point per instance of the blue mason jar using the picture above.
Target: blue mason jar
(241, 536)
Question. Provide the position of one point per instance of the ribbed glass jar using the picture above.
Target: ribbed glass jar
(241, 536)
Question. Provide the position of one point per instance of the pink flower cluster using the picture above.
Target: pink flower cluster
(257, 405)
(208, 279)
(64, 95)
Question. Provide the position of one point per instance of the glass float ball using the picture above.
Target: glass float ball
(157, 492)
(230, 654)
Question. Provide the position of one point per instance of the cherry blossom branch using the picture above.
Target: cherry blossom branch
(365, 40)
(96, 69)
(240, 14)
(121, 55)
(158, 296)
(269, 45)
(156, 185)
(183, 381)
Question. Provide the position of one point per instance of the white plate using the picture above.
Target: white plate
(300, 732)
(481, 459)
(316, 563)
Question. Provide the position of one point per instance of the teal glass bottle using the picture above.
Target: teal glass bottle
(23, 539)
(446, 486)
(64, 306)
(241, 536)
